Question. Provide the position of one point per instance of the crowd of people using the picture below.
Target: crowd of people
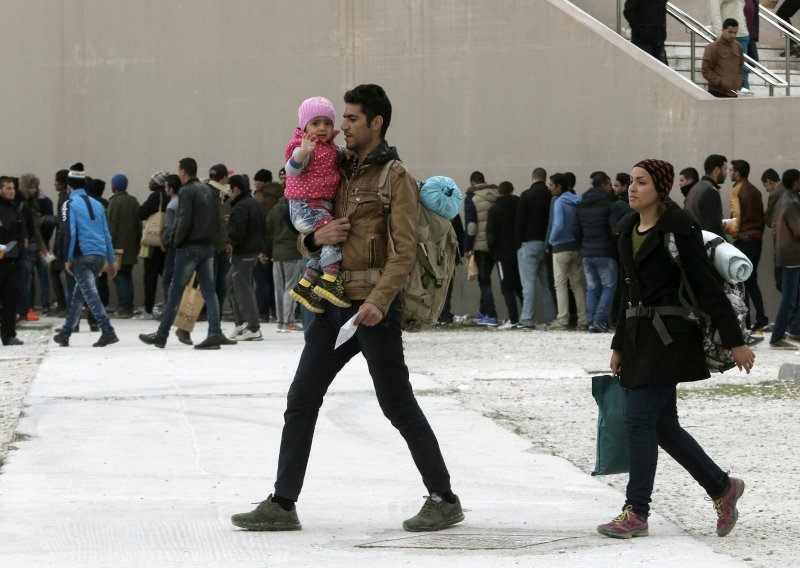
(556, 251)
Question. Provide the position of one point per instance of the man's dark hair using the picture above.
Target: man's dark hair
(374, 102)
(623, 178)
(714, 161)
(5, 179)
(599, 179)
(189, 165)
(730, 23)
(95, 187)
(539, 174)
(61, 176)
(174, 182)
(242, 183)
(263, 175)
(476, 177)
(561, 180)
(741, 167)
(505, 188)
(789, 177)
(571, 181)
(770, 175)
(690, 173)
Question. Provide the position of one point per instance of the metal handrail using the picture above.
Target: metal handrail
(696, 28)
(789, 32)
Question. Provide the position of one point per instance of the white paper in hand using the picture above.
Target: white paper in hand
(347, 331)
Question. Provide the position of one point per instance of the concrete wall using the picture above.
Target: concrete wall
(502, 87)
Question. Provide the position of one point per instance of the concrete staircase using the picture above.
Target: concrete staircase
(679, 58)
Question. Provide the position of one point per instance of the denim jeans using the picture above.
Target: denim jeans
(788, 315)
(243, 295)
(265, 289)
(123, 282)
(169, 270)
(601, 283)
(306, 218)
(221, 267)
(153, 267)
(751, 248)
(86, 270)
(382, 347)
(744, 41)
(485, 264)
(189, 258)
(532, 263)
(651, 420)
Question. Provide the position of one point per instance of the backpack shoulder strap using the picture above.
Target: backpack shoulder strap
(385, 187)
(685, 293)
(89, 206)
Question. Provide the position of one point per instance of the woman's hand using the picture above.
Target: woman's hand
(744, 357)
(616, 362)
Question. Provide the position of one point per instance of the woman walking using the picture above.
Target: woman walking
(655, 346)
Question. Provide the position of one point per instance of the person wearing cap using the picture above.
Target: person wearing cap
(282, 176)
(266, 193)
(655, 347)
(87, 248)
(312, 169)
(126, 234)
(154, 257)
(246, 231)
(57, 265)
(198, 223)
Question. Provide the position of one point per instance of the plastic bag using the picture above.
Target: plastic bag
(612, 441)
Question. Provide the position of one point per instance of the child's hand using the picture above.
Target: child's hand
(309, 143)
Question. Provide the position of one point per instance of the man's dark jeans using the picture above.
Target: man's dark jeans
(751, 248)
(189, 258)
(86, 269)
(511, 287)
(382, 347)
(651, 420)
(485, 264)
(221, 267)
(124, 284)
(265, 289)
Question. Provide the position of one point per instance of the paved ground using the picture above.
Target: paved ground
(138, 457)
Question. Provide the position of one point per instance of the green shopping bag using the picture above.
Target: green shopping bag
(612, 441)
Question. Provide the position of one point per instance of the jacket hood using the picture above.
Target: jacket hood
(480, 186)
(570, 198)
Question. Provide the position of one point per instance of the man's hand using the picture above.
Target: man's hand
(333, 233)
(744, 357)
(369, 315)
(111, 270)
(616, 362)
(68, 268)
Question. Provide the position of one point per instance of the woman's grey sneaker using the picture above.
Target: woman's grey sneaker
(435, 515)
(268, 516)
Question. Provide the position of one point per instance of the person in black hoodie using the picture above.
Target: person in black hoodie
(686, 180)
(501, 238)
(12, 230)
(648, 20)
(156, 256)
(246, 231)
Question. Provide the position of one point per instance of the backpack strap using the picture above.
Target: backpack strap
(89, 206)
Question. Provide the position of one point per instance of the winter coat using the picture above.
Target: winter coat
(156, 201)
(786, 224)
(320, 176)
(476, 212)
(168, 230)
(85, 228)
(281, 238)
(268, 196)
(593, 226)
(747, 207)
(561, 236)
(652, 279)
(772, 201)
(12, 228)
(376, 273)
(705, 205)
(125, 226)
(199, 218)
(500, 228)
(648, 20)
(533, 213)
(246, 225)
(723, 67)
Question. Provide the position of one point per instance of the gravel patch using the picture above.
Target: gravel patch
(538, 385)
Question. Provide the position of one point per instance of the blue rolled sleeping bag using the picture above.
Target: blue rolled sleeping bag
(442, 196)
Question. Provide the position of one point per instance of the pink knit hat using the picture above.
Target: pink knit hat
(314, 107)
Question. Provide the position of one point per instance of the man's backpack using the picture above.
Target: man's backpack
(718, 357)
(425, 290)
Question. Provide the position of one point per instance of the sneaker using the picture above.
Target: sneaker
(554, 326)
(125, 313)
(625, 525)
(62, 340)
(508, 325)
(436, 514)
(238, 330)
(783, 344)
(759, 325)
(290, 327)
(752, 339)
(13, 340)
(184, 337)
(305, 296)
(280, 329)
(793, 336)
(725, 507)
(106, 339)
(31, 315)
(156, 339)
(487, 321)
(525, 327)
(250, 335)
(333, 291)
(268, 516)
(141, 316)
(210, 342)
(94, 327)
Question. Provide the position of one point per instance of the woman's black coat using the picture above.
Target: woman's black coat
(653, 278)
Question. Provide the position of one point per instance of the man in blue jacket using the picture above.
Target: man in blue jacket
(87, 247)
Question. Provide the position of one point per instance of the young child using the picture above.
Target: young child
(312, 178)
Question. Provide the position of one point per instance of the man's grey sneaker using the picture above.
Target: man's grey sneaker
(106, 339)
(250, 335)
(156, 339)
(238, 330)
(435, 515)
(783, 344)
(268, 516)
(184, 337)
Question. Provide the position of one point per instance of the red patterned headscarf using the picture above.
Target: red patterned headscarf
(662, 173)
